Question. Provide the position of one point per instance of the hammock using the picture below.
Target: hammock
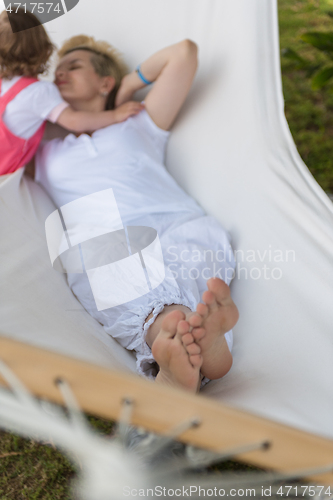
(231, 150)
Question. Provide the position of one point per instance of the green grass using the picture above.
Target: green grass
(309, 113)
(39, 471)
(34, 471)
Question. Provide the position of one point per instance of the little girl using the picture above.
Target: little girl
(26, 103)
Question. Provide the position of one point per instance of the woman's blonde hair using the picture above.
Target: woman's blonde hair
(25, 48)
(105, 59)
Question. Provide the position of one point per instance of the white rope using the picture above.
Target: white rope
(125, 420)
(76, 416)
(152, 445)
(199, 458)
(16, 385)
(106, 466)
(202, 458)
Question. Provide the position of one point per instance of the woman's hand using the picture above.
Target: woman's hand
(126, 110)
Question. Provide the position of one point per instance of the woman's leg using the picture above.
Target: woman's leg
(179, 364)
(219, 315)
(205, 328)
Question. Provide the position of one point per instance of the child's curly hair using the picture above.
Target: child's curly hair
(105, 59)
(25, 47)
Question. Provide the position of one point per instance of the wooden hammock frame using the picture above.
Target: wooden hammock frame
(157, 408)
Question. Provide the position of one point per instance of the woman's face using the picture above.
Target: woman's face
(77, 80)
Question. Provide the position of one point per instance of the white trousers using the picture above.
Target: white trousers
(194, 250)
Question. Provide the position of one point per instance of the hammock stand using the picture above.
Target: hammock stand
(217, 427)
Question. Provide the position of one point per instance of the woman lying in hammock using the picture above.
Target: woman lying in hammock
(181, 331)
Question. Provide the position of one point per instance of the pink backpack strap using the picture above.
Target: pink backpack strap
(21, 84)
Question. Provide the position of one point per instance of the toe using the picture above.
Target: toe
(170, 323)
(196, 360)
(221, 292)
(194, 319)
(219, 289)
(183, 327)
(193, 349)
(202, 309)
(198, 333)
(209, 298)
(187, 339)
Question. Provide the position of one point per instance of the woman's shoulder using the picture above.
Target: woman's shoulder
(157, 138)
(144, 119)
(143, 123)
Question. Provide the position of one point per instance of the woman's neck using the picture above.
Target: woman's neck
(93, 106)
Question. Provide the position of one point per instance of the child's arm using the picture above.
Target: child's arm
(85, 121)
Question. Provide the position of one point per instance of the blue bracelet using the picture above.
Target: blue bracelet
(147, 82)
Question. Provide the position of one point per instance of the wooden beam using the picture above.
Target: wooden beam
(100, 391)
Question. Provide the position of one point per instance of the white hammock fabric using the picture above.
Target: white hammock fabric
(230, 149)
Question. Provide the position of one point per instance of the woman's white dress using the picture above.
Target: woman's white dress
(129, 158)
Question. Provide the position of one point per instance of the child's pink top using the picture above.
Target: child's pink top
(16, 152)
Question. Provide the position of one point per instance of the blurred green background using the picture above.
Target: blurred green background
(309, 113)
(32, 471)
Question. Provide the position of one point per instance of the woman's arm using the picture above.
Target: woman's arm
(173, 70)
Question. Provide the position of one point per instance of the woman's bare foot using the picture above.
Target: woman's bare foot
(211, 321)
(179, 361)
